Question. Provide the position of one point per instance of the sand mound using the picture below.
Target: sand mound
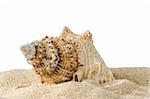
(130, 83)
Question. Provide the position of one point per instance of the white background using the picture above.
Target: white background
(121, 29)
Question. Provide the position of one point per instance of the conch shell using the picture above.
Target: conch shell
(65, 57)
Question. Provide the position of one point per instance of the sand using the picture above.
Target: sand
(130, 83)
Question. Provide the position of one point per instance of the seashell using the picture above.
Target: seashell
(59, 59)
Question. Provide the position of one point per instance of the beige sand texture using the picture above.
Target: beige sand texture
(130, 83)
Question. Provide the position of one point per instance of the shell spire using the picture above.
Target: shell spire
(55, 60)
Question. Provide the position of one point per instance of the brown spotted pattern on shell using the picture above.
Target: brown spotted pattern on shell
(55, 60)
